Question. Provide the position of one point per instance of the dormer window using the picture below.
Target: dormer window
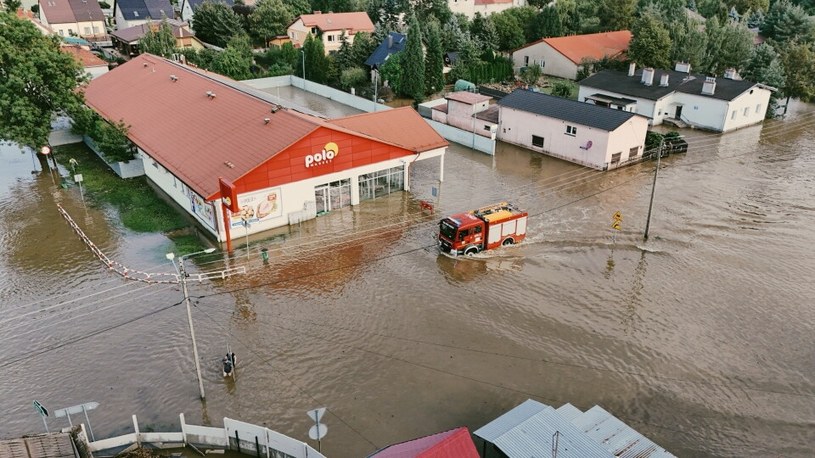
(136, 13)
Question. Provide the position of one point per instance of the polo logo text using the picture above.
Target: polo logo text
(329, 152)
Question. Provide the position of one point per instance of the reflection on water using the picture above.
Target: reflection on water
(700, 338)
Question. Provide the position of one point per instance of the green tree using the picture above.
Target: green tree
(510, 32)
(112, 140)
(269, 19)
(413, 63)
(159, 41)
(391, 72)
(318, 67)
(798, 60)
(336, 6)
(427, 9)
(362, 48)
(765, 67)
(569, 16)
(434, 59)
(526, 18)
(215, 23)
(651, 43)
(455, 31)
(743, 6)
(236, 60)
(482, 29)
(689, 42)
(353, 77)
(615, 14)
(786, 22)
(549, 23)
(299, 7)
(563, 89)
(37, 80)
(344, 58)
(736, 47)
(531, 74)
(12, 5)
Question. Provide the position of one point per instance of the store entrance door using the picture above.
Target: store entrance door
(321, 197)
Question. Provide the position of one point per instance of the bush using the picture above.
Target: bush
(353, 77)
(104, 5)
(563, 89)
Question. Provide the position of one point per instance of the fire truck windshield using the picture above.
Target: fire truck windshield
(447, 230)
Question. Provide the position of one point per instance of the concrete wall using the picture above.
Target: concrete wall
(463, 137)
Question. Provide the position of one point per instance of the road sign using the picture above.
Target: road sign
(616, 225)
(617, 216)
(78, 178)
(41, 409)
(316, 414)
(317, 432)
(75, 409)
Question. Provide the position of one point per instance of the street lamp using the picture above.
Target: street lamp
(183, 275)
(303, 52)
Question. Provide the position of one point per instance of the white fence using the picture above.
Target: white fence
(464, 137)
(235, 435)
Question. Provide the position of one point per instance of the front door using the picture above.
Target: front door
(678, 112)
(321, 197)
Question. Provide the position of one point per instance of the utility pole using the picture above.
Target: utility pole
(303, 51)
(183, 274)
(653, 188)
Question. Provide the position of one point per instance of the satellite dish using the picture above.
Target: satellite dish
(588, 144)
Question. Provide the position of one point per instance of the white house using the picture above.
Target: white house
(467, 111)
(329, 27)
(565, 56)
(74, 18)
(598, 137)
(485, 7)
(680, 97)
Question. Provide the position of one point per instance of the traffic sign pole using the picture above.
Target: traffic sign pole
(43, 413)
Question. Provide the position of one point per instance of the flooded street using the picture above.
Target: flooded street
(699, 338)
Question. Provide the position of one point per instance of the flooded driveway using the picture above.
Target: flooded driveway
(699, 338)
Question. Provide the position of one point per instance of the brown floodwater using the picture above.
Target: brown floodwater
(700, 338)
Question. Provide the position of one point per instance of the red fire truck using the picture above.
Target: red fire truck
(482, 229)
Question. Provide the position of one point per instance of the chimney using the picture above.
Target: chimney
(647, 76)
(709, 86)
(683, 67)
(390, 41)
(632, 68)
(730, 73)
(663, 80)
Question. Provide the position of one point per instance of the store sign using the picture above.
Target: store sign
(329, 152)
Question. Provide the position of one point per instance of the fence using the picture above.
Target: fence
(235, 435)
(319, 89)
(464, 137)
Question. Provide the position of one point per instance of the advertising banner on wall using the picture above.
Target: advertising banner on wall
(203, 209)
(257, 207)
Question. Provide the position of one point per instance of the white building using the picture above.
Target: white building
(680, 97)
(594, 136)
(564, 57)
(467, 111)
(330, 28)
(193, 129)
(485, 7)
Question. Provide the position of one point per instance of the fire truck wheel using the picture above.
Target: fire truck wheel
(471, 251)
(508, 241)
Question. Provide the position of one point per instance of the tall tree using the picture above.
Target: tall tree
(36, 81)
(798, 60)
(236, 60)
(298, 7)
(742, 6)
(335, 6)
(651, 44)
(785, 22)
(159, 41)
(482, 29)
(616, 14)
(549, 23)
(413, 63)
(689, 42)
(510, 32)
(12, 6)
(434, 59)
(216, 23)
(729, 46)
(269, 19)
(318, 68)
(765, 67)
(363, 47)
(569, 16)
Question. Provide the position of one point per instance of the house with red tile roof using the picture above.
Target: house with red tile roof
(565, 56)
(329, 27)
(193, 129)
(485, 7)
(92, 63)
(74, 18)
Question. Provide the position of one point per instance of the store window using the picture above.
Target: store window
(332, 196)
(381, 183)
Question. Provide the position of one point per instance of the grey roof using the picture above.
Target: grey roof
(529, 429)
(381, 53)
(621, 83)
(87, 11)
(585, 114)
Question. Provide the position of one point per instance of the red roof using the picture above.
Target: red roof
(199, 137)
(455, 443)
(593, 46)
(402, 127)
(84, 56)
(353, 22)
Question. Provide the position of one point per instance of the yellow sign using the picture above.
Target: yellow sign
(616, 225)
(617, 216)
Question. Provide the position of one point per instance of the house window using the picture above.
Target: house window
(314, 30)
(542, 63)
(758, 108)
(61, 33)
(571, 130)
(71, 32)
(526, 61)
(487, 128)
(615, 158)
(733, 115)
(87, 30)
(747, 111)
(634, 152)
(331, 38)
(537, 141)
(95, 30)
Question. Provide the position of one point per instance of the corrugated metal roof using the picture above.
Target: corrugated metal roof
(53, 445)
(586, 114)
(528, 431)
